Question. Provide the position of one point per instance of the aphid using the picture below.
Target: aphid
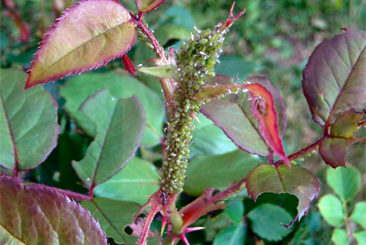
(260, 105)
(164, 198)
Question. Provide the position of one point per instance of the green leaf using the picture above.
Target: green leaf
(87, 36)
(179, 16)
(346, 124)
(235, 210)
(332, 210)
(217, 171)
(164, 33)
(7, 238)
(345, 182)
(113, 217)
(313, 221)
(135, 183)
(79, 88)
(359, 214)
(334, 78)
(339, 237)
(297, 181)
(28, 122)
(360, 237)
(213, 225)
(4, 40)
(236, 67)
(266, 222)
(119, 130)
(37, 214)
(166, 71)
(210, 139)
(233, 235)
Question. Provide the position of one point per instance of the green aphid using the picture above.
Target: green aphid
(203, 41)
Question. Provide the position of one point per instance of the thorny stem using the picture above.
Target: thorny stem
(145, 229)
(166, 84)
(229, 191)
(310, 148)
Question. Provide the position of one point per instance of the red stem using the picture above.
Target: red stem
(15, 173)
(146, 228)
(228, 191)
(166, 84)
(91, 189)
(153, 40)
(302, 151)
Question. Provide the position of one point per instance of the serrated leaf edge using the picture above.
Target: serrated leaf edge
(72, 71)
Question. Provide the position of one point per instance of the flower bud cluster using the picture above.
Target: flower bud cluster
(195, 64)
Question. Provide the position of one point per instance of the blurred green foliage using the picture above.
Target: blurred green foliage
(274, 38)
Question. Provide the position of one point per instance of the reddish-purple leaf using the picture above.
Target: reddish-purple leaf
(145, 6)
(87, 36)
(333, 150)
(296, 181)
(232, 114)
(37, 214)
(334, 79)
(264, 110)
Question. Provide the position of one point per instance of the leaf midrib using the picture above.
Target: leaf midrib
(81, 45)
(16, 160)
(345, 83)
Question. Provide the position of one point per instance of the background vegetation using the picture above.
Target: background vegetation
(273, 38)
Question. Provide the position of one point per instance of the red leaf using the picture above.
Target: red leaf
(88, 35)
(263, 109)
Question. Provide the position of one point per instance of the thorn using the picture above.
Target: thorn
(190, 229)
(173, 240)
(195, 117)
(163, 224)
(184, 238)
(231, 10)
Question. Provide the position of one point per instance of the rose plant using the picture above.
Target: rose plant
(124, 119)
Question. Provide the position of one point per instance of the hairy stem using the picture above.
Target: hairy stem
(166, 84)
(303, 151)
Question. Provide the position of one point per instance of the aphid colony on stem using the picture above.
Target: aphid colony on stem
(195, 64)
